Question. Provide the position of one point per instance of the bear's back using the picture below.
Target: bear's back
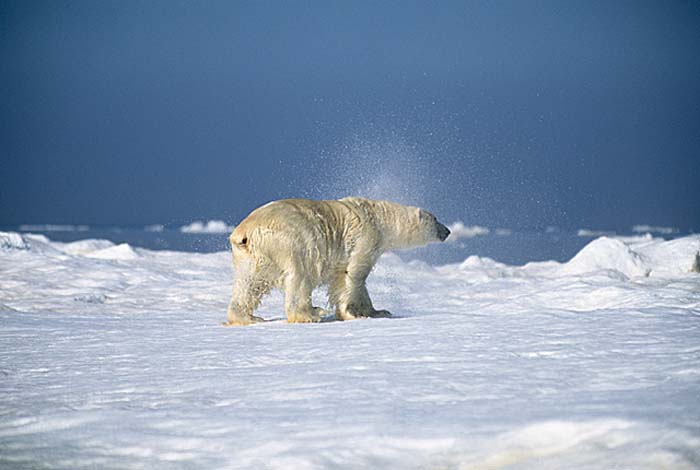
(293, 224)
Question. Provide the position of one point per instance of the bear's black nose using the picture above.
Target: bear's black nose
(443, 232)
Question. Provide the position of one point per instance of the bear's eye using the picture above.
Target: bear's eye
(244, 241)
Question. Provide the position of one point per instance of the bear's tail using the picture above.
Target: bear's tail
(239, 240)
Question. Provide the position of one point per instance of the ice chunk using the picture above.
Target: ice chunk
(212, 226)
(154, 228)
(13, 241)
(585, 232)
(607, 254)
(119, 252)
(460, 231)
(643, 228)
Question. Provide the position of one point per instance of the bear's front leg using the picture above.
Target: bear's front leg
(350, 296)
(297, 300)
(359, 305)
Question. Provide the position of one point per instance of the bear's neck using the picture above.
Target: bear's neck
(399, 225)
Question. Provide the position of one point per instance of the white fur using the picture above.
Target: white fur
(299, 244)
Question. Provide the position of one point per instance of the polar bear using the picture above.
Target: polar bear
(300, 244)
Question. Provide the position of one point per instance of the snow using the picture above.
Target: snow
(122, 251)
(114, 357)
(212, 226)
(154, 228)
(644, 228)
(585, 232)
(83, 247)
(53, 228)
(13, 241)
(460, 231)
(608, 254)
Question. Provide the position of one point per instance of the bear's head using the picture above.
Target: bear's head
(431, 228)
(409, 226)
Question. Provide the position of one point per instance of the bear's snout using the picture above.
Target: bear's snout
(442, 232)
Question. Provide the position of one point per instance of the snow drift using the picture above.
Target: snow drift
(113, 357)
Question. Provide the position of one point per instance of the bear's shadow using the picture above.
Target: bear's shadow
(330, 318)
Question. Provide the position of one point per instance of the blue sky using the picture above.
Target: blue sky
(513, 114)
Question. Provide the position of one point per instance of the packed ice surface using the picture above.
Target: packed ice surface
(113, 357)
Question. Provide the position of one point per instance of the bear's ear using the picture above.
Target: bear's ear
(427, 216)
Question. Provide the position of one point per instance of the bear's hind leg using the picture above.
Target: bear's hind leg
(248, 289)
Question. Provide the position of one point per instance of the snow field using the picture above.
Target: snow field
(113, 357)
